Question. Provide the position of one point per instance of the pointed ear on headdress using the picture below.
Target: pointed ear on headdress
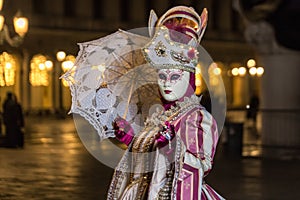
(204, 18)
(151, 23)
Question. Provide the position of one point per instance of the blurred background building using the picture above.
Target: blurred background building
(254, 44)
(58, 25)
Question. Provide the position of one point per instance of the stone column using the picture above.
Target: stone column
(36, 100)
(280, 99)
(57, 87)
(240, 91)
(67, 99)
(25, 93)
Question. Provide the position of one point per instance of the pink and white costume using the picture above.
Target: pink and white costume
(175, 171)
(194, 147)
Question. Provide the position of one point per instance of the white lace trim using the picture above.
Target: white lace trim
(160, 116)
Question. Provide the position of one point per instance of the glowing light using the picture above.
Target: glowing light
(252, 71)
(260, 71)
(65, 83)
(8, 65)
(217, 71)
(242, 71)
(2, 19)
(7, 69)
(235, 71)
(251, 63)
(60, 56)
(66, 65)
(40, 67)
(198, 82)
(1, 4)
(198, 69)
(21, 25)
(49, 65)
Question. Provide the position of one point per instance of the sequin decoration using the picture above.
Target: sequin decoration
(160, 50)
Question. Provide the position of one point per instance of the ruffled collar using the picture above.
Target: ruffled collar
(176, 110)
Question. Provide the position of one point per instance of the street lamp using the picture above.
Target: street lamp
(20, 27)
(253, 69)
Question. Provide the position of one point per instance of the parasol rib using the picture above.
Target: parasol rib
(128, 101)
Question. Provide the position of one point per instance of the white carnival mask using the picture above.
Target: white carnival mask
(173, 83)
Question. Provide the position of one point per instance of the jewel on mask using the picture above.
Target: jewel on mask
(160, 50)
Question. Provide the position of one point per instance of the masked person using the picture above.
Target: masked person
(171, 156)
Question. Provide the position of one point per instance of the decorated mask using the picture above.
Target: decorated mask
(173, 83)
(173, 49)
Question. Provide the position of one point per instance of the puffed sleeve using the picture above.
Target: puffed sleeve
(199, 133)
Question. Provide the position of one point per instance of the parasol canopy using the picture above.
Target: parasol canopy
(111, 78)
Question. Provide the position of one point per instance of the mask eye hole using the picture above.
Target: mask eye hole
(175, 77)
(162, 77)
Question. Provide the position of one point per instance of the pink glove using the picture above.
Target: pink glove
(165, 136)
(123, 131)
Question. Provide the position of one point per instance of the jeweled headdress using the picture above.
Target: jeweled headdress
(162, 52)
(175, 37)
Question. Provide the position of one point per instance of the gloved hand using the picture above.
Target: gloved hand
(123, 131)
(165, 136)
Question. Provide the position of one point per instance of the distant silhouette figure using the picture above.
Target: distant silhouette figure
(253, 109)
(13, 120)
